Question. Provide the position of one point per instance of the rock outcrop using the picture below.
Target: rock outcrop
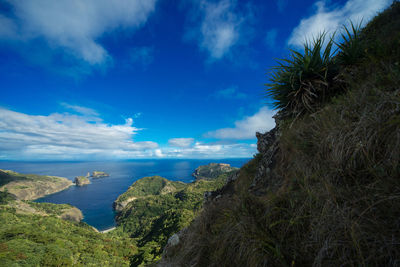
(268, 146)
(212, 170)
(81, 181)
(99, 174)
(120, 205)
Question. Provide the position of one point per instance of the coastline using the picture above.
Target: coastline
(108, 230)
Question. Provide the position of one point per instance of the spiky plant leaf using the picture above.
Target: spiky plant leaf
(299, 83)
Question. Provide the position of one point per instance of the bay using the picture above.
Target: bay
(95, 200)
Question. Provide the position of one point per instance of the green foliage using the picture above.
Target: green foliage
(6, 197)
(301, 82)
(156, 213)
(50, 208)
(9, 176)
(153, 185)
(351, 48)
(35, 240)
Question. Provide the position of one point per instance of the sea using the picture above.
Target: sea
(95, 200)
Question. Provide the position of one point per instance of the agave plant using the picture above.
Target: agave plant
(299, 83)
(351, 49)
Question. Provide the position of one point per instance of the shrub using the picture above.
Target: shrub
(351, 49)
(301, 82)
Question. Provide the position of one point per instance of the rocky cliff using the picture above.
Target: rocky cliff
(81, 180)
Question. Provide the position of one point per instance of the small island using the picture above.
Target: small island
(81, 180)
(212, 170)
(99, 174)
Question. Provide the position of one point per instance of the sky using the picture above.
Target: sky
(133, 79)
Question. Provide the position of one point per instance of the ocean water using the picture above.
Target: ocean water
(95, 200)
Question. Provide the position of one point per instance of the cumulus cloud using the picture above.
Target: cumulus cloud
(74, 25)
(158, 153)
(181, 142)
(67, 136)
(246, 128)
(219, 28)
(230, 93)
(330, 19)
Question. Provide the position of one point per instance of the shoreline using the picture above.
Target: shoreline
(108, 230)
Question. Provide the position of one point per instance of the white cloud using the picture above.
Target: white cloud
(181, 142)
(74, 25)
(330, 19)
(158, 153)
(81, 110)
(67, 136)
(246, 128)
(230, 93)
(211, 150)
(219, 29)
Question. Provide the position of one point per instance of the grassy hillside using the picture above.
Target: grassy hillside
(157, 209)
(331, 197)
(34, 235)
(31, 186)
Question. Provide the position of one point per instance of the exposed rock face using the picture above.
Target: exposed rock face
(98, 174)
(267, 145)
(173, 240)
(30, 186)
(212, 170)
(81, 181)
(120, 205)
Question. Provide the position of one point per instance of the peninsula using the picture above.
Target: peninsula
(31, 186)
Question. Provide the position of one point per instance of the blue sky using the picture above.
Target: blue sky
(99, 79)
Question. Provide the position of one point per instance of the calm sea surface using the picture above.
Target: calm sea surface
(95, 200)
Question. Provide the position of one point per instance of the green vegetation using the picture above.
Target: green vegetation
(148, 186)
(302, 82)
(31, 239)
(334, 188)
(50, 208)
(351, 49)
(7, 176)
(212, 170)
(157, 209)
